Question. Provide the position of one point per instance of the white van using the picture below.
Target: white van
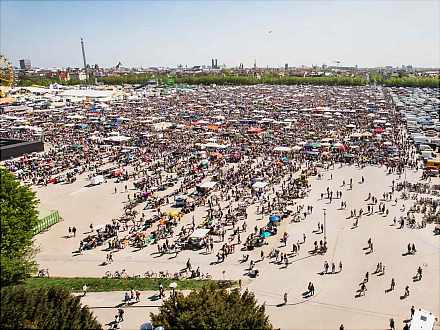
(425, 147)
(422, 320)
(426, 155)
(421, 140)
(96, 180)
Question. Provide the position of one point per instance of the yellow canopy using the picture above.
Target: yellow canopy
(173, 213)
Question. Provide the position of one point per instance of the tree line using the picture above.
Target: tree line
(46, 81)
(408, 81)
(229, 79)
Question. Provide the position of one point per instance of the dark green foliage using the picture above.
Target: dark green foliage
(227, 78)
(43, 308)
(212, 308)
(18, 216)
(45, 81)
(132, 79)
(270, 80)
(430, 82)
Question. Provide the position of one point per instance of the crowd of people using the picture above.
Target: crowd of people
(223, 150)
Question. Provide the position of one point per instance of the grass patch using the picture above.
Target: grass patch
(95, 284)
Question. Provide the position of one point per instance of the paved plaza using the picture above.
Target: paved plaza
(334, 302)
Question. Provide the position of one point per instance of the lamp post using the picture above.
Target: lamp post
(325, 225)
(173, 286)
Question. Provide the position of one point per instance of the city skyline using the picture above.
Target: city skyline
(166, 34)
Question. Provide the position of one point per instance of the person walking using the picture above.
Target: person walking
(285, 298)
(412, 311)
(392, 326)
(121, 314)
(419, 272)
(74, 231)
(393, 284)
(161, 291)
(84, 288)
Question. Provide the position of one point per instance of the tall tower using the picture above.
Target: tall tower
(84, 58)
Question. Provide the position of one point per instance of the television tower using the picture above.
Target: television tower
(84, 58)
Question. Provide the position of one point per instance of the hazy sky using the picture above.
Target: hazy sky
(168, 33)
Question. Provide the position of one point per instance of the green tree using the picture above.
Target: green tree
(19, 216)
(212, 308)
(43, 308)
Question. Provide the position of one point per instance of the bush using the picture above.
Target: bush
(212, 308)
(52, 308)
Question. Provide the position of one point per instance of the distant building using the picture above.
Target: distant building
(63, 75)
(25, 64)
(78, 76)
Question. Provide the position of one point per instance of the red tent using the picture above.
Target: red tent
(255, 130)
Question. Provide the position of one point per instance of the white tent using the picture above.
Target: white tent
(259, 185)
(214, 145)
(282, 149)
(207, 184)
(199, 233)
(118, 138)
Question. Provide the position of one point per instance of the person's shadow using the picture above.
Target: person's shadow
(154, 297)
(306, 294)
(111, 324)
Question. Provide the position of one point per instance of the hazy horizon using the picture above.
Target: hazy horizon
(166, 34)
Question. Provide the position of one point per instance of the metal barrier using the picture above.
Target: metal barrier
(46, 222)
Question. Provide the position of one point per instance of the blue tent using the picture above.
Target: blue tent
(274, 218)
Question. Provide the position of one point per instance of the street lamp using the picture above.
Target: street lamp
(325, 225)
(173, 286)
